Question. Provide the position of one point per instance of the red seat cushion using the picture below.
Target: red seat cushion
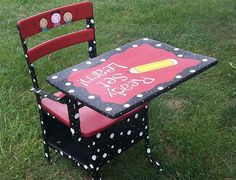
(91, 122)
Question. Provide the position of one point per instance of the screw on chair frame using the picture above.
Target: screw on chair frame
(100, 148)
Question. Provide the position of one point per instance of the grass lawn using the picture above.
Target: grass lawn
(192, 128)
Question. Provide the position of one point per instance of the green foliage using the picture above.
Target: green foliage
(193, 129)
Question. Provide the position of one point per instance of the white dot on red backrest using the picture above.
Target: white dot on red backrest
(76, 115)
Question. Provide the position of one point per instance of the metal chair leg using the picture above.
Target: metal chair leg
(155, 163)
(46, 152)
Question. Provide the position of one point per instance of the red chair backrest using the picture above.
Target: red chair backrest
(53, 18)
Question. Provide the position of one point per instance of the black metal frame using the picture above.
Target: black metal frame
(93, 152)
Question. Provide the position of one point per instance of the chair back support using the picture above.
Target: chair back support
(44, 21)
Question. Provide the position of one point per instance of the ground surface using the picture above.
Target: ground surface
(193, 128)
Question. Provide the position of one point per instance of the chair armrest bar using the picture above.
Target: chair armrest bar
(45, 94)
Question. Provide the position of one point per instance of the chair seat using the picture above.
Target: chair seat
(91, 122)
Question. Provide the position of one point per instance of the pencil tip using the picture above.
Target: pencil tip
(133, 71)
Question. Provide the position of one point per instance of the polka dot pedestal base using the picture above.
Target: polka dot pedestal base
(94, 152)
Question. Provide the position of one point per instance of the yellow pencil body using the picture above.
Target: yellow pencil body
(153, 66)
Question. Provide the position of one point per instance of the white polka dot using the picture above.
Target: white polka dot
(88, 62)
(72, 131)
(158, 45)
(85, 167)
(98, 150)
(180, 55)
(34, 80)
(136, 116)
(94, 42)
(192, 71)
(126, 105)
(61, 153)
(91, 166)
(98, 135)
(146, 107)
(46, 154)
(90, 49)
(147, 137)
(97, 170)
(75, 69)
(88, 26)
(76, 116)
(118, 49)
(68, 84)
(108, 109)
(146, 127)
(104, 155)
(94, 143)
(128, 120)
(129, 132)
(176, 49)
(112, 146)
(94, 157)
(119, 151)
(79, 139)
(141, 133)
(54, 77)
(132, 141)
(121, 133)
(143, 119)
(160, 88)
(204, 60)
(178, 76)
(158, 165)
(78, 164)
(71, 91)
(145, 39)
(112, 135)
(139, 95)
(92, 21)
(134, 45)
(69, 157)
(26, 55)
(91, 97)
(148, 150)
(102, 60)
(39, 106)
